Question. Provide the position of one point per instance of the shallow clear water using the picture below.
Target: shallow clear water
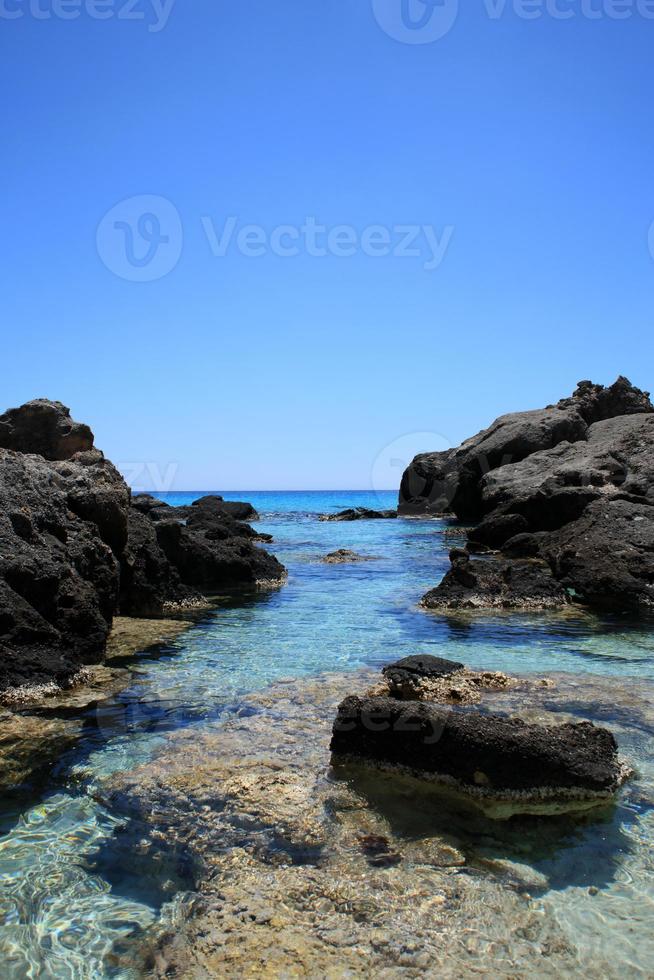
(66, 904)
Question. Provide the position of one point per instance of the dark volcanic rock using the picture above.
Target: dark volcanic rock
(420, 665)
(497, 584)
(344, 556)
(607, 556)
(485, 755)
(239, 510)
(44, 428)
(72, 548)
(497, 529)
(58, 572)
(554, 487)
(217, 558)
(360, 514)
(558, 484)
(148, 581)
(174, 554)
(452, 480)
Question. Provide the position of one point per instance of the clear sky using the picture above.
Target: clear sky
(517, 151)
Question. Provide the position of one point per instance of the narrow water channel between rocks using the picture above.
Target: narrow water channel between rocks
(73, 904)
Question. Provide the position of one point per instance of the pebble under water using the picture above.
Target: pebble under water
(72, 904)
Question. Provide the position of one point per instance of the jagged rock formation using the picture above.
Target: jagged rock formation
(568, 491)
(451, 481)
(169, 561)
(73, 550)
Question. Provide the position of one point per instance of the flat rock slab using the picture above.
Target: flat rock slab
(487, 757)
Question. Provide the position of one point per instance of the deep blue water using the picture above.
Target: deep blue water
(60, 917)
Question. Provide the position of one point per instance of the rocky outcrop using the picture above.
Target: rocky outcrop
(44, 428)
(360, 514)
(497, 584)
(173, 558)
(63, 524)
(560, 492)
(73, 551)
(451, 481)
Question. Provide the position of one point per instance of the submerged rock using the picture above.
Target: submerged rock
(360, 514)
(302, 874)
(344, 557)
(490, 758)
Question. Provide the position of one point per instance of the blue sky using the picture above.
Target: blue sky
(522, 148)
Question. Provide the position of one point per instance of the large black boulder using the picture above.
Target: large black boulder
(482, 754)
(63, 525)
(44, 428)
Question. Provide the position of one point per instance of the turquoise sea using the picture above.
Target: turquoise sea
(65, 909)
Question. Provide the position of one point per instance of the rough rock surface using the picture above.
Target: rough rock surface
(360, 514)
(572, 485)
(452, 480)
(44, 428)
(421, 665)
(345, 557)
(497, 584)
(171, 558)
(72, 549)
(63, 524)
(482, 754)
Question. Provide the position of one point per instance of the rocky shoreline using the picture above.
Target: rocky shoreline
(76, 550)
(563, 495)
